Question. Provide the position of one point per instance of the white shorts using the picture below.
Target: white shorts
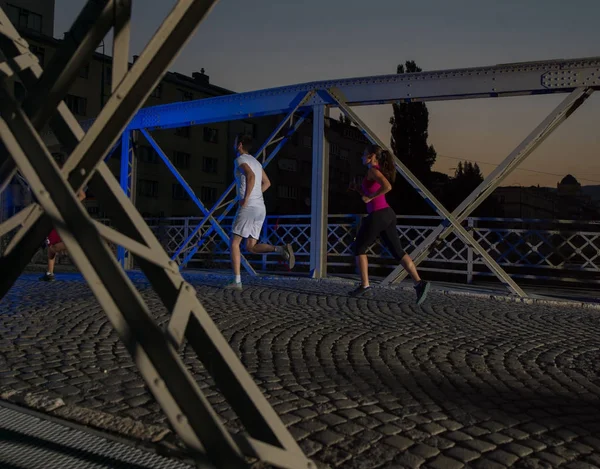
(248, 221)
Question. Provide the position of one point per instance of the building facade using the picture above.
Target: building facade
(202, 154)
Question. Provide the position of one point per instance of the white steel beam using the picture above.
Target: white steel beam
(561, 113)
(319, 196)
(430, 198)
(529, 78)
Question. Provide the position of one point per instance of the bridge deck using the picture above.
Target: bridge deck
(374, 382)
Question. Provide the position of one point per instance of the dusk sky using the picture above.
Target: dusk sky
(246, 45)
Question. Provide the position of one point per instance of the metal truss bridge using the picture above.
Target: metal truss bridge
(154, 350)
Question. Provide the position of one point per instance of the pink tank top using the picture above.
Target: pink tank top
(379, 202)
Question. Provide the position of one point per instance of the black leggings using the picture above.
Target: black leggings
(379, 223)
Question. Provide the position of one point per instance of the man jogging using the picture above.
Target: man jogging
(251, 181)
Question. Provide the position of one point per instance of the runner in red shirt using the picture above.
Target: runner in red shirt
(55, 246)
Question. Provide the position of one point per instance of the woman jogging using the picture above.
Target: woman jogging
(381, 220)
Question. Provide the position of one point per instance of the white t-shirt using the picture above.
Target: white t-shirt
(256, 196)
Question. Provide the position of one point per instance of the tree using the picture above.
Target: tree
(467, 177)
(410, 124)
(409, 131)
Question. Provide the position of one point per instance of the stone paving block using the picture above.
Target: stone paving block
(425, 451)
(481, 446)
(457, 436)
(398, 442)
(553, 459)
(517, 449)
(498, 438)
(407, 459)
(444, 462)
(432, 428)
(502, 457)
(328, 437)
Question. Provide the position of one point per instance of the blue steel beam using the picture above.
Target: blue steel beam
(554, 76)
(125, 179)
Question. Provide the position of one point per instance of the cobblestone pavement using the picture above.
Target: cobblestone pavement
(361, 383)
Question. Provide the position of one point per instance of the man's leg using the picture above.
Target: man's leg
(53, 250)
(253, 246)
(236, 260)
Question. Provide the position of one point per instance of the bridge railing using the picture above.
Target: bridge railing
(566, 251)
(560, 251)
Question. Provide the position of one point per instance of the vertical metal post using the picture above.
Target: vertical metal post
(319, 196)
(470, 253)
(125, 181)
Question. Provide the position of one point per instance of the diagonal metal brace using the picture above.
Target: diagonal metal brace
(300, 101)
(430, 198)
(565, 109)
(193, 196)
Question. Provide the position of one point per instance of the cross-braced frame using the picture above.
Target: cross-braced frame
(154, 351)
(579, 78)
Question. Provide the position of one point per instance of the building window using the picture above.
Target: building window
(39, 52)
(85, 71)
(307, 141)
(184, 132)
(334, 149)
(179, 193)
(157, 93)
(211, 135)
(343, 154)
(287, 192)
(208, 195)
(354, 134)
(209, 165)
(186, 95)
(181, 159)
(148, 188)
(24, 19)
(76, 104)
(19, 91)
(147, 154)
(248, 128)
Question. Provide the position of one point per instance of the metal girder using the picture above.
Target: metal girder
(215, 224)
(552, 76)
(561, 113)
(127, 181)
(430, 198)
(187, 409)
(291, 128)
(319, 196)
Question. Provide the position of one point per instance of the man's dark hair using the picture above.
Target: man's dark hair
(246, 141)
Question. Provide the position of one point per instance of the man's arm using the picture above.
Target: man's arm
(250, 180)
(266, 182)
(81, 195)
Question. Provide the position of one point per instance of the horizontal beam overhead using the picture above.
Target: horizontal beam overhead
(527, 78)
